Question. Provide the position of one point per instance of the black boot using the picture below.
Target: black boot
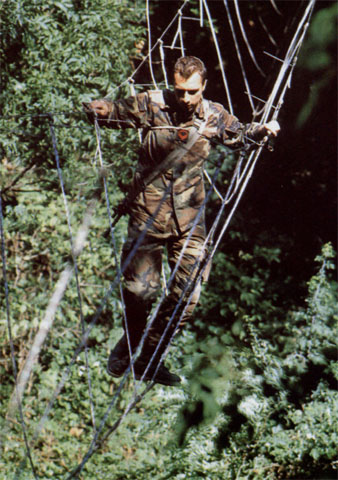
(162, 376)
(119, 358)
(155, 342)
(149, 361)
(119, 361)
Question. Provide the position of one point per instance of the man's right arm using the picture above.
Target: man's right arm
(132, 112)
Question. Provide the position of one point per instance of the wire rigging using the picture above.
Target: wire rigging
(189, 286)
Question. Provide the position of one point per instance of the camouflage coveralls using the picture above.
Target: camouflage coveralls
(170, 204)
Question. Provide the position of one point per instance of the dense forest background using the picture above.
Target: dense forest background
(259, 398)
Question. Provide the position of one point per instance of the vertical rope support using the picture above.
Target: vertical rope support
(201, 14)
(245, 38)
(219, 55)
(139, 131)
(164, 279)
(119, 272)
(181, 33)
(239, 56)
(149, 47)
(163, 63)
(173, 43)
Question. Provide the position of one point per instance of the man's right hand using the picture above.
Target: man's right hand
(100, 107)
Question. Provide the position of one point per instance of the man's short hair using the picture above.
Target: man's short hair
(186, 66)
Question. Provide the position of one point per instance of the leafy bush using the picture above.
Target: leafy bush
(275, 403)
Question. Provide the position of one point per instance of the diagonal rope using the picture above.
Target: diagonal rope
(273, 3)
(265, 28)
(289, 57)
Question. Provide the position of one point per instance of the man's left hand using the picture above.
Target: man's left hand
(272, 128)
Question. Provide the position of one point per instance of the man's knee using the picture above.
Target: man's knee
(140, 291)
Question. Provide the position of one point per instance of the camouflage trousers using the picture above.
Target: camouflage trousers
(142, 279)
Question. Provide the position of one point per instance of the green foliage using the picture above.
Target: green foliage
(318, 56)
(242, 284)
(65, 52)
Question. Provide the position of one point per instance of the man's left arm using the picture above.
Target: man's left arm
(131, 112)
(235, 134)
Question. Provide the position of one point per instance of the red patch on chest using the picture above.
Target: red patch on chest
(183, 134)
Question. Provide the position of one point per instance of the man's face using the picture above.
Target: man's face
(189, 91)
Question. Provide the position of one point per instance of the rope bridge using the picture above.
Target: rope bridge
(172, 38)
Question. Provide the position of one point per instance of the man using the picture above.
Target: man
(165, 211)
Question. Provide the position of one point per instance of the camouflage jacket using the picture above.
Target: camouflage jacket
(156, 113)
